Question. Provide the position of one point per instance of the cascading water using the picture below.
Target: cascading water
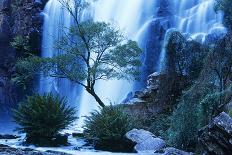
(145, 21)
(129, 16)
(195, 18)
(57, 21)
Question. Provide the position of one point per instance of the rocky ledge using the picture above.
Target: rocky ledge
(6, 150)
(216, 137)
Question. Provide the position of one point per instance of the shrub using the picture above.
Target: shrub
(212, 105)
(107, 128)
(160, 125)
(42, 118)
(183, 131)
(230, 113)
(21, 44)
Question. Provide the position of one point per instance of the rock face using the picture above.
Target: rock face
(16, 18)
(7, 136)
(154, 41)
(216, 138)
(146, 142)
(7, 54)
(159, 95)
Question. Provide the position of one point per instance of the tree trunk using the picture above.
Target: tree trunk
(96, 97)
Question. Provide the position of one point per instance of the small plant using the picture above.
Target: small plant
(107, 128)
(160, 125)
(230, 112)
(42, 118)
(21, 44)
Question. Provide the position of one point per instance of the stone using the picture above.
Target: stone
(4, 29)
(146, 142)
(139, 136)
(7, 136)
(17, 18)
(153, 82)
(216, 138)
(228, 106)
(174, 151)
(136, 101)
(215, 35)
(128, 97)
(115, 145)
(77, 134)
(5, 6)
(7, 150)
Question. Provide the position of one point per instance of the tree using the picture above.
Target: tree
(92, 51)
(219, 61)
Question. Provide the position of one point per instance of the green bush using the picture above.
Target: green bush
(210, 106)
(230, 113)
(160, 125)
(42, 118)
(21, 44)
(107, 127)
(184, 126)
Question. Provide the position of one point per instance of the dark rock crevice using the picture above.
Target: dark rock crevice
(17, 17)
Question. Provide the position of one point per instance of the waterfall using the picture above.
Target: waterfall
(57, 21)
(196, 19)
(145, 21)
(131, 17)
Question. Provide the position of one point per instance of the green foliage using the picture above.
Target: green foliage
(209, 70)
(160, 125)
(183, 131)
(226, 7)
(218, 63)
(26, 69)
(185, 57)
(184, 119)
(230, 113)
(108, 57)
(43, 117)
(97, 51)
(91, 51)
(21, 44)
(109, 123)
(211, 105)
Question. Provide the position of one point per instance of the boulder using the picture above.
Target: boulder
(146, 142)
(216, 138)
(153, 82)
(174, 151)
